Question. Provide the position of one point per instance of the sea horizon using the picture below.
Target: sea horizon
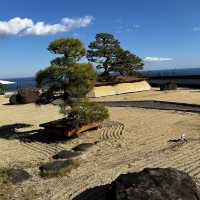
(178, 69)
(185, 70)
(29, 81)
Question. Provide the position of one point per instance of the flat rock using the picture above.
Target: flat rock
(150, 184)
(19, 175)
(66, 154)
(14, 175)
(55, 165)
(58, 168)
(83, 146)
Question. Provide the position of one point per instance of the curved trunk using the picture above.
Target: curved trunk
(106, 69)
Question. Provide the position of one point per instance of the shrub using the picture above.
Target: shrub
(168, 86)
(86, 113)
(2, 89)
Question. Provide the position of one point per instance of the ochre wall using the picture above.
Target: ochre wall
(121, 88)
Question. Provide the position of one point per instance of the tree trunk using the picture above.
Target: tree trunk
(106, 73)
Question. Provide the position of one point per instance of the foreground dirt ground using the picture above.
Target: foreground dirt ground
(133, 139)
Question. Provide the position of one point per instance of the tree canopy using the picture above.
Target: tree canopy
(103, 51)
(126, 63)
(74, 82)
(64, 74)
(72, 50)
(108, 55)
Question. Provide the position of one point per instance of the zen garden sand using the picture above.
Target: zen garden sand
(133, 139)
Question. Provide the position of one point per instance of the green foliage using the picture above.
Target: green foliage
(126, 63)
(65, 75)
(2, 89)
(4, 176)
(103, 51)
(107, 53)
(86, 113)
(71, 81)
(47, 75)
(81, 79)
(71, 48)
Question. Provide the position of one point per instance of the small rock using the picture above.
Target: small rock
(66, 154)
(83, 147)
(58, 168)
(14, 175)
(19, 175)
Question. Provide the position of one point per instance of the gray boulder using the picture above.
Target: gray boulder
(25, 96)
(150, 184)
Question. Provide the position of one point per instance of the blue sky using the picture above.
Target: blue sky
(166, 33)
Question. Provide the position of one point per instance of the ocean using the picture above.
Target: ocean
(186, 77)
(172, 72)
(20, 83)
(191, 77)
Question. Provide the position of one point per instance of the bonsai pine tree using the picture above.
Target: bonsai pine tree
(107, 53)
(103, 52)
(65, 74)
(70, 81)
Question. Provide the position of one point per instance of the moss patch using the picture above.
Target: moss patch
(13, 176)
(58, 168)
(8, 179)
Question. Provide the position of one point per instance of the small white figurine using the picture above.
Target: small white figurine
(183, 138)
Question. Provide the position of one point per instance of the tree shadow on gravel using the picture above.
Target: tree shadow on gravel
(152, 104)
(10, 132)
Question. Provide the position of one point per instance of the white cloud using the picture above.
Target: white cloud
(79, 22)
(14, 26)
(40, 28)
(25, 26)
(157, 59)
